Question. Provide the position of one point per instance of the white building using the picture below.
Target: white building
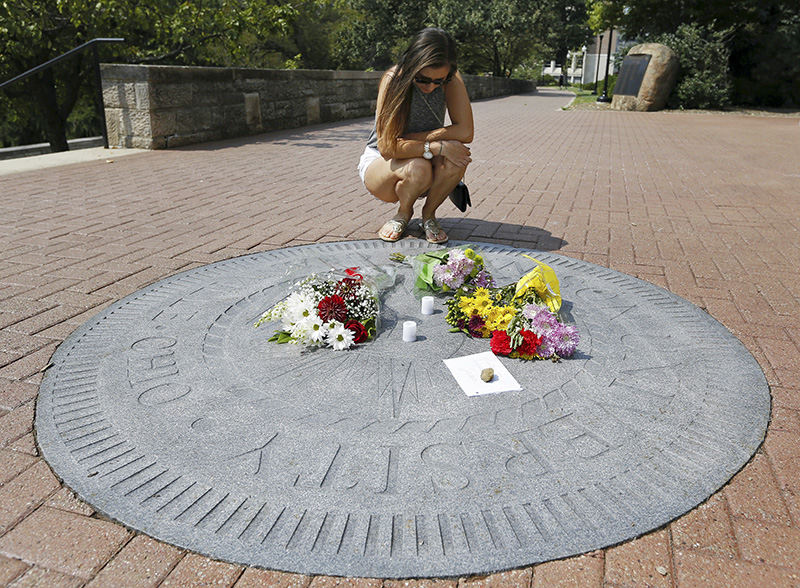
(587, 64)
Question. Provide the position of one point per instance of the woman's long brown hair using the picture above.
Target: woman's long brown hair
(431, 47)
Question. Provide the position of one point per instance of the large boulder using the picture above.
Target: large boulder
(658, 81)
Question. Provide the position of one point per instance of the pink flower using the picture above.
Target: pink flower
(566, 340)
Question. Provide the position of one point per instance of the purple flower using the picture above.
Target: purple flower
(547, 347)
(483, 280)
(542, 320)
(463, 266)
(441, 274)
(566, 340)
(458, 269)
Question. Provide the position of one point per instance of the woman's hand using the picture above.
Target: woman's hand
(456, 152)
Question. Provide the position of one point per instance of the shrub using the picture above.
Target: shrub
(547, 80)
(527, 71)
(764, 60)
(601, 83)
(704, 80)
(612, 83)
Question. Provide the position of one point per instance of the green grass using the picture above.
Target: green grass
(581, 97)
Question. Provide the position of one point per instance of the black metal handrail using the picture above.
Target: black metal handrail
(96, 66)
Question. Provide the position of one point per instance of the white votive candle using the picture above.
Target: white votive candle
(409, 331)
(427, 305)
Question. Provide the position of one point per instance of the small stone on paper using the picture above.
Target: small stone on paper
(467, 371)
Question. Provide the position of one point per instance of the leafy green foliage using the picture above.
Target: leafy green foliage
(493, 37)
(201, 32)
(547, 80)
(604, 15)
(765, 57)
(704, 81)
(612, 83)
(567, 27)
(377, 31)
(280, 337)
(761, 37)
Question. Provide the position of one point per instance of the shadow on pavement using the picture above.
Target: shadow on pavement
(322, 136)
(472, 229)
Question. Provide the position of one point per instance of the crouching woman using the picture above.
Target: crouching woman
(411, 154)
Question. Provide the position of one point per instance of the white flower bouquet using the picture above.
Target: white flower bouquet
(337, 310)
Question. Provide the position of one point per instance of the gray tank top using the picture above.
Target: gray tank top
(420, 116)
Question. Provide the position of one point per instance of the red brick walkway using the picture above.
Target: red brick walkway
(705, 205)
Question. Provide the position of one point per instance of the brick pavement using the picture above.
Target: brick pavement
(702, 204)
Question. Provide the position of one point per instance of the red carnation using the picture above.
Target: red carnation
(500, 343)
(360, 333)
(530, 344)
(332, 308)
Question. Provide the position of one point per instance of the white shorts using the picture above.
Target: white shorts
(370, 154)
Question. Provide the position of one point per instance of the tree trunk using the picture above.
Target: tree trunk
(496, 65)
(561, 58)
(54, 124)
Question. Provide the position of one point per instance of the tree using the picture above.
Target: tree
(604, 15)
(702, 83)
(763, 44)
(30, 34)
(493, 36)
(568, 28)
(202, 32)
(378, 30)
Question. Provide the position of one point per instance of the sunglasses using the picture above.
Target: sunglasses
(437, 82)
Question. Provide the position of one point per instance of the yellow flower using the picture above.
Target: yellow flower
(499, 317)
(508, 314)
(467, 305)
(482, 300)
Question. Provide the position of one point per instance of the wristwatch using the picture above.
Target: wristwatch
(427, 154)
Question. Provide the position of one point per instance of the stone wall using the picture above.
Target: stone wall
(157, 107)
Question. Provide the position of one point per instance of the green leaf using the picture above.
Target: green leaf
(280, 337)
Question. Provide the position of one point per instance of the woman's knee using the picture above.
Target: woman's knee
(450, 171)
(418, 173)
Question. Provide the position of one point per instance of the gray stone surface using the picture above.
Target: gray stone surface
(170, 413)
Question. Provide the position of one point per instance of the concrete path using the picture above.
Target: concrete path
(704, 205)
(41, 162)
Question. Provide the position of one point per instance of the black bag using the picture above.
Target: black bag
(460, 197)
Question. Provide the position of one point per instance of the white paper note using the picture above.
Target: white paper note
(467, 372)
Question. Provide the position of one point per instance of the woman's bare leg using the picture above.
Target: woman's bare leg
(446, 176)
(401, 181)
